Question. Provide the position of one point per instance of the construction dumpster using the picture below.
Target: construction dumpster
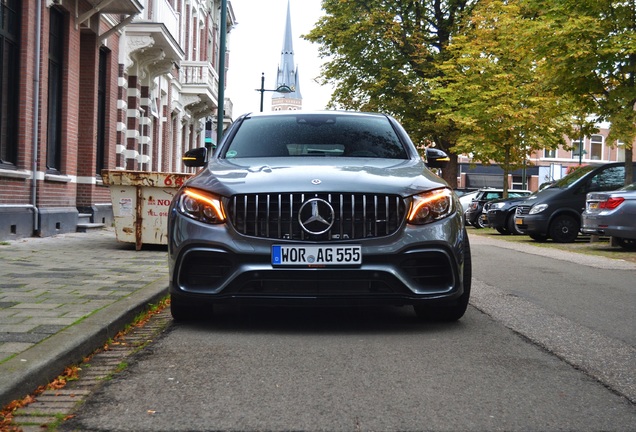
(140, 204)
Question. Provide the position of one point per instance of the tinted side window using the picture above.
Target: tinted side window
(608, 179)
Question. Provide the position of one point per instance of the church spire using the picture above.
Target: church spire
(287, 74)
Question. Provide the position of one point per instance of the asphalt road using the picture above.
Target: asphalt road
(527, 356)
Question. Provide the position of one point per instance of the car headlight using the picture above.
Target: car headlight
(495, 206)
(431, 206)
(538, 208)
(201, 206)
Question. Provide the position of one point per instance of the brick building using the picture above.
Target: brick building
(88, 85)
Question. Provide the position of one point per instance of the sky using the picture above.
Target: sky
(255, 45)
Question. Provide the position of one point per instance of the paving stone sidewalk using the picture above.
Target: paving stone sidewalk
(63, 296)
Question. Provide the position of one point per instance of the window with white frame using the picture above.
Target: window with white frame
(596, 144)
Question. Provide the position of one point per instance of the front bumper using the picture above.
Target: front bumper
(214, 263)
(496, 218)
(533, 224)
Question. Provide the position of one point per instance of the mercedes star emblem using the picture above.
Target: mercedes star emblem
(316, 216)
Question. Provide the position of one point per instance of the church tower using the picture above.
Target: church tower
(287, 75)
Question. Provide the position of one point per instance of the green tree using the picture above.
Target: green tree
(489, 90)
(381, 56)
(589, 53)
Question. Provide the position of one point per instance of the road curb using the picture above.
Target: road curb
(45, 361)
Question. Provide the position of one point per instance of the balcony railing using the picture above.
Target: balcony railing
(200, 74)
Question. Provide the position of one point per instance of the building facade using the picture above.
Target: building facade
(89, 86)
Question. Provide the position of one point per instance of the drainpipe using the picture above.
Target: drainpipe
(36, 114)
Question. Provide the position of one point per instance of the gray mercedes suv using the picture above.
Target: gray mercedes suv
(318, 207)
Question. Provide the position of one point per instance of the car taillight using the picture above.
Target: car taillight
(611, 203)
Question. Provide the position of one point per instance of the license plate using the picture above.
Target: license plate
(518, 221)
(312, 255)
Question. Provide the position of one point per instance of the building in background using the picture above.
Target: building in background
(90, 85)
(544, 166)
(287, 75)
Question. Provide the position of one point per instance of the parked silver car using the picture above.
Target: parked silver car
(313, 207)
(612, 214)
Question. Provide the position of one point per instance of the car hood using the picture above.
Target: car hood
(234, 176)
(510, 201)
(541, 196)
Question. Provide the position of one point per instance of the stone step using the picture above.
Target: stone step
(84, 227)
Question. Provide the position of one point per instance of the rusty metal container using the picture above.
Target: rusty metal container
(140, 204)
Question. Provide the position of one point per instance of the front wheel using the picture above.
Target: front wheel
(455, 310)
(479, 223)
(538, 237)
(501, 230)
(513, 228)
(627, 244)
(564, 229)
(182, 311)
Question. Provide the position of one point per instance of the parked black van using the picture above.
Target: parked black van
(555, 212)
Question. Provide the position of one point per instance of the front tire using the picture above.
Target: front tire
(512, 226)
(627, 244)
(479, 223)
(182, 311)
(455, 310)
(564, 229)
(501, 230)
(538, 237)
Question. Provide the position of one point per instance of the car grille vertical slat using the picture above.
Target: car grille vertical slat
(267, 210)
(279, 207)
(245, 214)
(353, 218)
(341, 224)
(386, 213)
(256, 214)
(364, 215)
(356, 216)
(291, 212)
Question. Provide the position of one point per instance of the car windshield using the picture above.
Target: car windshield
(315, 135)
(569, 179)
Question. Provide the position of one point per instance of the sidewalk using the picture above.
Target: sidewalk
(62, 297)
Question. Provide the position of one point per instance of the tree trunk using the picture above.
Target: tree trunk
(506, 172)
(629, 167)
(449, 172)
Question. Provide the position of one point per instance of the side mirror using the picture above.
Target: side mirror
(436, 158)
(196, 157)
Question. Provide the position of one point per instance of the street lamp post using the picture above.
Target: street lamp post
(280, 89)
(221, 89)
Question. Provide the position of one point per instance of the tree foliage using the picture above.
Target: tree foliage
(489, 90)
(491, 78)
(381, 56)
(589, 48)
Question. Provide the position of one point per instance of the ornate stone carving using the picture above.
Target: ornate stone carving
(134, 44)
